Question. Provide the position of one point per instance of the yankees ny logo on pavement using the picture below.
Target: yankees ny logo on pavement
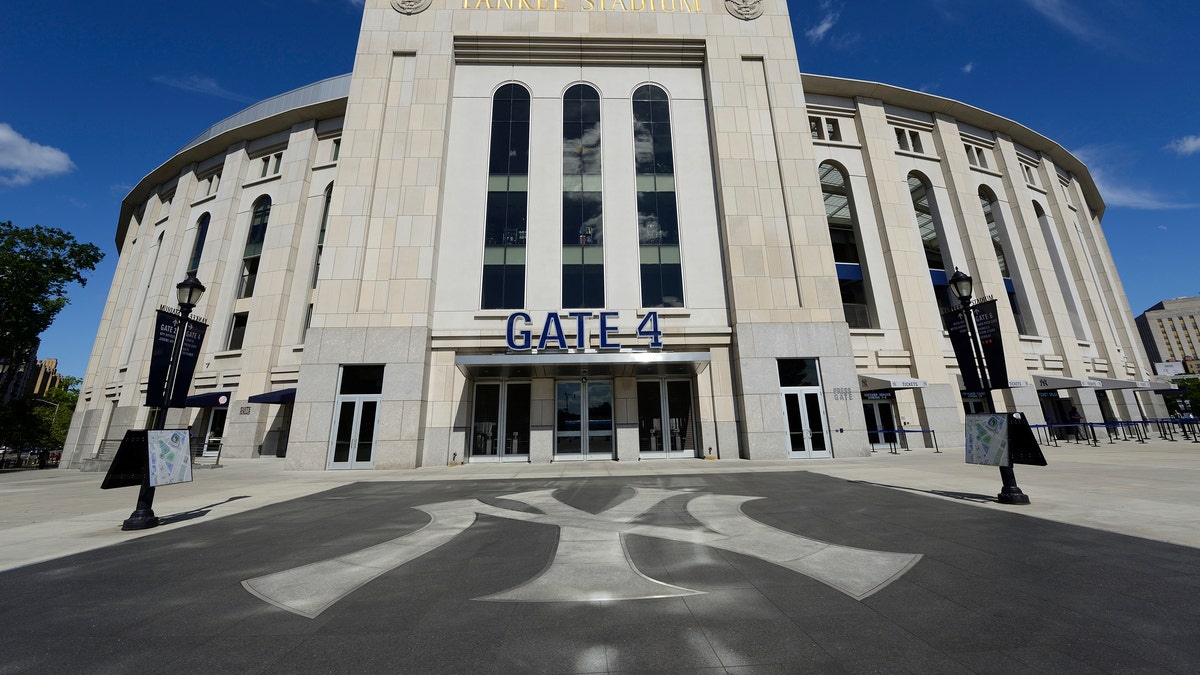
(591, 562)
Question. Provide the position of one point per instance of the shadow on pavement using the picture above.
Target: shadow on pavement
(964, 496)
(195, 513)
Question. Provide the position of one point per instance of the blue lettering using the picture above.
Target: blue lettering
(552, 325)
(511, 337)
(649, 328)
(581, 334)
(606, 329)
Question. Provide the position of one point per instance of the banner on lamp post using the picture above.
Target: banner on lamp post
(964, 353)
(166, 324)
(987, 328)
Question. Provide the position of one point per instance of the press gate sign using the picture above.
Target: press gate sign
(521, 337)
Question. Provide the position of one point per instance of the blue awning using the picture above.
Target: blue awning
(280, 396)
(212, 399)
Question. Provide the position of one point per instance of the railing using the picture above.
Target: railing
(895, 440)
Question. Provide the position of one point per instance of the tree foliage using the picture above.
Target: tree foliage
(37, 264)
(40, 422)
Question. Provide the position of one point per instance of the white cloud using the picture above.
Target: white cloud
(1070, 18)
(22, 161)
(202, 85)
(1188, 145)
(1119, 192)
(969, 67)
(818, 32)
(1162, 228)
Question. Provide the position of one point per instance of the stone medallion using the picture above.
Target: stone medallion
(410, 6)
(745, 9)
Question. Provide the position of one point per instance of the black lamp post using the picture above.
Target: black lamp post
(961, 285)
(187, 293)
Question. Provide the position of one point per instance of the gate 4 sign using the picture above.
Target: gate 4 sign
(520, 337)
(590, 562)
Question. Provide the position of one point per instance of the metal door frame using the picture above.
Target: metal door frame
(355, 430)
(808, 452)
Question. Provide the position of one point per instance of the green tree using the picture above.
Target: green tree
(36, 266)
(1189, 390)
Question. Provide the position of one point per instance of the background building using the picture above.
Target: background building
(1170, 333)
(547, 232)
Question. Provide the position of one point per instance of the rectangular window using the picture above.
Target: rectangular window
(902, 139)
(249, 277)
(337, 149)
(208, 186)
(832, 131)
(916, 141)
(266, 166)
(814, 128)
(237, 331)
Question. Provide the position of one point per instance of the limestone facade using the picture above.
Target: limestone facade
(793, 219)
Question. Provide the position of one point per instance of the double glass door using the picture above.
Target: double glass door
(500, 427)
(805, 410)
(666, 427)
(583, 427)
(354, 433)
(881, 423)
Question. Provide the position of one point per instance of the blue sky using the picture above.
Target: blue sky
(93, 96)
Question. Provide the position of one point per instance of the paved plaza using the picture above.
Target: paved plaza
(894, 563)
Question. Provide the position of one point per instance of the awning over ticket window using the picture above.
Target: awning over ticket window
(579, 364)
(1111, 383)
(874, 382)
(212, 399)
(1045, 382)
(280, 396)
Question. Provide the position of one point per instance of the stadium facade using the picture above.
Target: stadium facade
(561, 230)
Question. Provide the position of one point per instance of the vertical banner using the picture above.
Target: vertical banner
(964, 353)
(987, 327)
(165, 326)
(193, 336)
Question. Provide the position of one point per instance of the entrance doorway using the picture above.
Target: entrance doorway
(583, 427)
(805, 410)
(356, 418)
(216, 430)
(666, 427)
(354, 433)
(881, 423)
(500, 427)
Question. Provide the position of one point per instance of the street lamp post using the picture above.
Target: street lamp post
(961, 286)
(187, 293)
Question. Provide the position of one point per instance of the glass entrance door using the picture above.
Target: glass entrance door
(666, 427)
(584, 420)
(881, 424)
(500, 427)
(354, 433)
(805, 410)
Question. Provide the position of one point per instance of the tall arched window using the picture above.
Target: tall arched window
(254, 246)
(317, 257)
(321, 234)
(927, 223)
(198, 245)
(1062, 270)
(843, 226)
(507, 200)
(658, 219)
(987, 201)
(582, 208)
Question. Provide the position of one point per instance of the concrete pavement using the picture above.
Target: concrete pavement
(894, 563)
(1149, 490)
